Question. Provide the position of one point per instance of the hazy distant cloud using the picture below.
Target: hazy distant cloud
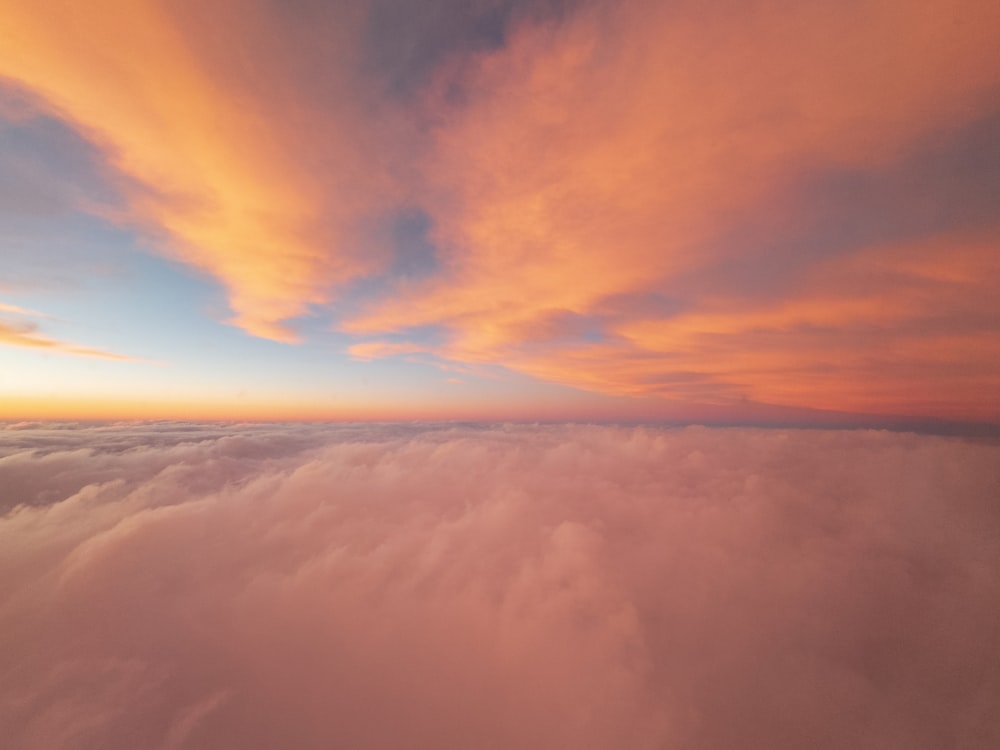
(531, 587)
(42, 463)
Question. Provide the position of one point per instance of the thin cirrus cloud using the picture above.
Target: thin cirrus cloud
(663, 151)
(259, 586)
(204, 108)
(20, 327)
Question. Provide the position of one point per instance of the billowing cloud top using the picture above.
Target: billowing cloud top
(779, 203)
(199, 586)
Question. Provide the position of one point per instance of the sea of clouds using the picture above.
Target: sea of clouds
(465, 586)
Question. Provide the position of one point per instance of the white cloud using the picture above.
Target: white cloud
(532, 587)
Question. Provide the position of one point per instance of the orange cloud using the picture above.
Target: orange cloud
(21, 311)
(25, 333)
(610, 154)
(594, 163)
(208, 109)
(904, 329)
(895, 330)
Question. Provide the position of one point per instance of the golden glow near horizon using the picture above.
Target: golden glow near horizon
(780, 205)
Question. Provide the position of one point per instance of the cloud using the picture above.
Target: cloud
(16, 329)
(372, 349)
(22, 311)
(640, 199)
(239, 164)
(507, 586)
(894, 329)
(661, 149)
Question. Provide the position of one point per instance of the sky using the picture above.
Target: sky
(729, 213)
(533, 374)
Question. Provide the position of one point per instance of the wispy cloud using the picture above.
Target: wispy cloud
(17, 329)
(652, 150)
(238, 170)
(373, 349)
(658, 199)
(23, 311)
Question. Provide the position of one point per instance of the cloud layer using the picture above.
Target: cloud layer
(533, 587)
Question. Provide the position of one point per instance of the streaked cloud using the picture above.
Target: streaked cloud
(22, 311)
(659, 151)
(19, 327)
(238, 171)
(773, 204)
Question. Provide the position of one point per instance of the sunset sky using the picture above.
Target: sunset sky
(499, 374)
(731, 212)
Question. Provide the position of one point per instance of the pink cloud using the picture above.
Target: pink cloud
(531, 587)
(636, 148)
